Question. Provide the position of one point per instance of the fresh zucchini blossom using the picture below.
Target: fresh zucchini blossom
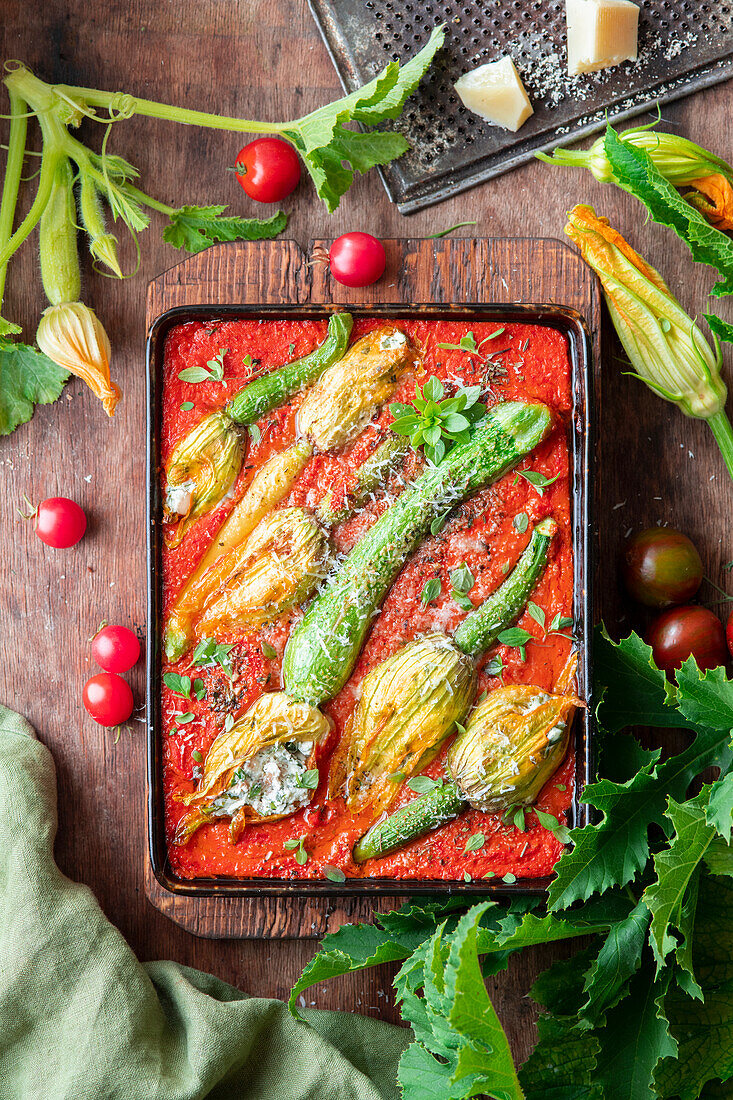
(201, 470)
(666, 348)
(72, 335)
(680, 161)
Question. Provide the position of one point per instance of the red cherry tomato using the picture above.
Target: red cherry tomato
(115, 648)
(268, 169)
(60, 522)
(108, 699)
(682, 632)
(729, 632)
(357, 259)
(661, 567)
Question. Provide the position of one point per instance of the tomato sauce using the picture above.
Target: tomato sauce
(522, 362)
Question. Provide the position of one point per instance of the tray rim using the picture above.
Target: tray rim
(580, 340)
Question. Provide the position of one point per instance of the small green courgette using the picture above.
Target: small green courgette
(273, 389)
(323, 649)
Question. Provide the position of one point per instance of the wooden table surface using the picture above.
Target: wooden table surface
(262, 59)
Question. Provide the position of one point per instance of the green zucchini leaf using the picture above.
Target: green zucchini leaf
(461, 1049)
(27, 378)
(562, 1064)
(720, 806)
(635, 171)
(634, 691)
(719, 857)
(705, 699)
(194, 228)
(704, 1029)
(607, 979)
(675, 867)
(325, 142)
(635, 1039)
(353, 947)
(722, 329)
(9, 328)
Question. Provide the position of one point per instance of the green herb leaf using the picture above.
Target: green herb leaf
(421, 784)
(194, 228)
(537, 481)
(462, 579)
(536, 613)
(27, 378)
(430, 592)
(474, 842)
(515, 636)
(254, 433)
(198, 688)
(186, 406)
(197, 756)
(216, 365)
(194, 374)
(495, 667)
(439, 523)
(209, 654)
(335, 874)
(301, 857)
(635, 171)
(181, 685)
(549, 821)
(184, 719)
(520, 522)
(309, 779)
(267, 650)
(291, 845)
(560, 622)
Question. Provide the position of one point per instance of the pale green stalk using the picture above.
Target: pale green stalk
(11, 183)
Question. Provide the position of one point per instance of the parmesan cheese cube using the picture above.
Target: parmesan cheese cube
(601, 34)
(496, 93)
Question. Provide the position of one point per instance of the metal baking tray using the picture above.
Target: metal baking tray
(684, 45)
(572, 324)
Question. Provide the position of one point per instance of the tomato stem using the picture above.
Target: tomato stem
(721, 428)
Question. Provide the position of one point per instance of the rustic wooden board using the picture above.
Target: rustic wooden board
(494, 270)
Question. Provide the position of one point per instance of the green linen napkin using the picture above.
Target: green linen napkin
(82, 1019)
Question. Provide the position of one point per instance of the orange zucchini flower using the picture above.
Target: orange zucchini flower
(72, 335)
(715, 200)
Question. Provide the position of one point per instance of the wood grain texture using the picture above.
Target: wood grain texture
(451, 272)
(263, 59)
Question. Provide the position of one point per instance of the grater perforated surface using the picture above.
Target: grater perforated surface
(684, 45)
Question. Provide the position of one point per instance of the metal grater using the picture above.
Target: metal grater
(684, 45)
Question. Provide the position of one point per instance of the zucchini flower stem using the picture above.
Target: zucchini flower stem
(721, 428)
(13, 172)
(148, 107)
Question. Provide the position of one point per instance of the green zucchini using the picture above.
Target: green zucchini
(323, 649)
(370, 475)
(418, 817)
(482, 626)
(273, 389)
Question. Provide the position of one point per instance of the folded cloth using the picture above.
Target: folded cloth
(82, 1019)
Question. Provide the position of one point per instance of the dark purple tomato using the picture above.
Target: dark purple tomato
(683, 632)
(661, 567)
